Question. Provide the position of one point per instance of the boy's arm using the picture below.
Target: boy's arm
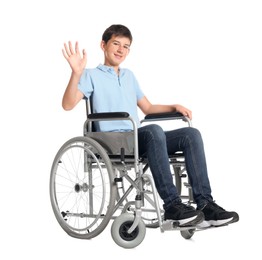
(148, 108)
(72, 94)
(77, 63)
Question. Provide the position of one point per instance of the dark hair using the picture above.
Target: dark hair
(116, 30)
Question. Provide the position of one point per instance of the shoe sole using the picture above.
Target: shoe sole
(193, 221)
(235, 219)
(215, 223)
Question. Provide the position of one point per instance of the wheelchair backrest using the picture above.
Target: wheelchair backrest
(113, 142)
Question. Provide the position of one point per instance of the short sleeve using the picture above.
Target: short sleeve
(85, 84)
(138, 90)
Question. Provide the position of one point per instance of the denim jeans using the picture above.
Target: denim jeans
(156, 144)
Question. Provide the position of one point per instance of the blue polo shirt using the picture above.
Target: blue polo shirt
(112, 93)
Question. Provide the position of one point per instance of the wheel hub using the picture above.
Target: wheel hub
(84, 187)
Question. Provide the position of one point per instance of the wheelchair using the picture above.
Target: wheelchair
(99, 177)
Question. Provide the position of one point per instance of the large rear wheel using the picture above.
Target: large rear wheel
(82, 188)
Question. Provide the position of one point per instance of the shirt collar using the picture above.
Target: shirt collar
(108, 69)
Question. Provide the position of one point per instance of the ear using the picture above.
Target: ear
(102, 45)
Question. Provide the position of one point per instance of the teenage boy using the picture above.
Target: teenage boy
(115, 89)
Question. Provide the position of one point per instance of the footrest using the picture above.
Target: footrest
(174, 225)
(187, 184)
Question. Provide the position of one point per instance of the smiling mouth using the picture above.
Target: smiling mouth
(118, 56)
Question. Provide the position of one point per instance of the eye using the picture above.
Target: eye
(116, 43)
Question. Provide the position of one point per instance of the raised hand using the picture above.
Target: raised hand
(76, 61)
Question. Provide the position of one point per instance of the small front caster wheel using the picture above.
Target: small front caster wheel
(188, 233)
(119, 231)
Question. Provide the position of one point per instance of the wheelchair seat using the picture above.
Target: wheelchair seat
(113, 142)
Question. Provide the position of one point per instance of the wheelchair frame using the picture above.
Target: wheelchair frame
(86, 182)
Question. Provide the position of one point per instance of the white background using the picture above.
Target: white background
(205, 55)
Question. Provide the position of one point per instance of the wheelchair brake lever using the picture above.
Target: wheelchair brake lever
(122, 155)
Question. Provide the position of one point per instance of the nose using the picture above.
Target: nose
(120, 49)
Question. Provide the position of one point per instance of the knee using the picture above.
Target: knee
(194, 134)
(156, 133)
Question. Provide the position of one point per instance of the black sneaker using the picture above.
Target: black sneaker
(185, 215)
(217, 216)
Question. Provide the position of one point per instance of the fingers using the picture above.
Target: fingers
(64, 54)
(76, 60)
(84, 54)
(184, 111)
(66, 51)
(69, 50)
(188, 114)
(76, 48)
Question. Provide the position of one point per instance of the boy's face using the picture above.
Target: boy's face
(115, 50)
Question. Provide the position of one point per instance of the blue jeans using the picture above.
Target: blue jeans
(156, 144)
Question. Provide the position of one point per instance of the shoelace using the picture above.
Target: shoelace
(184, 206)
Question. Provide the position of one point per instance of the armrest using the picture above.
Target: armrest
(109, 115)
(166, 116)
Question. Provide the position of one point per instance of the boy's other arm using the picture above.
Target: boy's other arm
(147, 108)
